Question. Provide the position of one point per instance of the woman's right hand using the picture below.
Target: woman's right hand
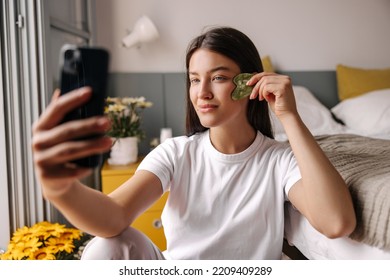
(53, 145)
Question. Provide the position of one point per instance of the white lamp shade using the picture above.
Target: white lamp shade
(144, 31)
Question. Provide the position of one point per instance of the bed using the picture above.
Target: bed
(354, 132)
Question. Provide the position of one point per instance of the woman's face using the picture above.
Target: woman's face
(211, 84)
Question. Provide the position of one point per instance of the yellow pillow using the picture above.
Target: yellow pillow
(267, 64)
(353, 82)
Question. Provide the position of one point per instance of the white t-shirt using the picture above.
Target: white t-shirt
(223, 206)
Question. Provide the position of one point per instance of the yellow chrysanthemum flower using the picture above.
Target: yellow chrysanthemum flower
(25, 249)
(11, 246)
(44, 253)
(71, 233)
(51, 230)
(22, 234)
(6, 256)
(52, 248)
(61, 244)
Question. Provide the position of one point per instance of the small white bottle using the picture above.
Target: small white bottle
(165, 133)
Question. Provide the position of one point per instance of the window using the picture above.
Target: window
(32, 33)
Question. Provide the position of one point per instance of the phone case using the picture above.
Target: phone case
(85, 66)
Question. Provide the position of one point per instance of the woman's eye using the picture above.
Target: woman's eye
(219, 78)
(194, 80)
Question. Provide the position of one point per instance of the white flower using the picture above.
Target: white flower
(124, 114)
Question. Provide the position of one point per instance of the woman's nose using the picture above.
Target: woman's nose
(205, 91)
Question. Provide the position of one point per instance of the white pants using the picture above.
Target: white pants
(131, 244)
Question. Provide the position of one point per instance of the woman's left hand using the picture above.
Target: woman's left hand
(276, 90)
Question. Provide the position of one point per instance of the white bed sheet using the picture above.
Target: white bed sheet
(316, 246)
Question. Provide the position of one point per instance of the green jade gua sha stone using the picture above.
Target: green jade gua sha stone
(241, 90)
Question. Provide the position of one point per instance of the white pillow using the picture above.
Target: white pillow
(368, 114)
(316, 116)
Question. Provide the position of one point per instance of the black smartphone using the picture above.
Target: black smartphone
(79, 67)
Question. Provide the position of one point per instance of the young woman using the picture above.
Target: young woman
(227, 179)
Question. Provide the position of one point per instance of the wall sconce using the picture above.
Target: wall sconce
(144, 31)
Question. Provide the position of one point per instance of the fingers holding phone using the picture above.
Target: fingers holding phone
(54, 145)
(51, 131)
(61, 105)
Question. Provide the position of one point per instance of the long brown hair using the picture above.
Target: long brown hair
(238, 47)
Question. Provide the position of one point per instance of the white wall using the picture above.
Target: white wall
(298, 35)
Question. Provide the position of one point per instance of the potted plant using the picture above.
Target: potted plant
(125, 116)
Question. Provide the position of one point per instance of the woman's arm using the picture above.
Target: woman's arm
(321, 195)
(53, 149)
(106, 216)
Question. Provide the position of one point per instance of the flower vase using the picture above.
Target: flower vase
(124, 151)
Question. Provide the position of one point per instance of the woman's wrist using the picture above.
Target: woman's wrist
(60, 190)
(290, 120)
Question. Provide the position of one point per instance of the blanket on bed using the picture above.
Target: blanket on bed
(364, 163)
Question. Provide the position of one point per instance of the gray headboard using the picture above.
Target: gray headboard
(167, 92)
(322, 84)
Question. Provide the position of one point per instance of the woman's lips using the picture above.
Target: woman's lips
(205, 108)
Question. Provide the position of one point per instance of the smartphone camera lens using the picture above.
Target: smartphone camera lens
(71, 63)
(68, 55)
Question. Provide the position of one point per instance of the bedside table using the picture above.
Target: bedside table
(150, 221)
